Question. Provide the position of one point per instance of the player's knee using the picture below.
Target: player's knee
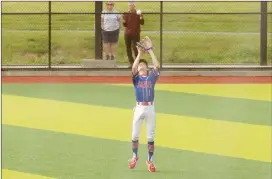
(150, 139)
(150, 136)
(135, 137)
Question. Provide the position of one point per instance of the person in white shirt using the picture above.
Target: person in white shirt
(110, 21)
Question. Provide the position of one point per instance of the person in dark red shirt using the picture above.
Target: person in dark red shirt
(132, 22)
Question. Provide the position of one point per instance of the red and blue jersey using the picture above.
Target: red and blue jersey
(144, 86)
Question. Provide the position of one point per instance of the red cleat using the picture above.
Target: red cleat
(151, 166)
(133, 162)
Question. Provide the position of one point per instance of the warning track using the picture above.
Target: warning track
(127, 79)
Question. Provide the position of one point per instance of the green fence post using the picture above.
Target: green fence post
(263, 34)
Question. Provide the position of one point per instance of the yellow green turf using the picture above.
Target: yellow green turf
(231, 139)
(63, 156)
(9, 174)
(83, 131)
(167, 102)
(244, 91)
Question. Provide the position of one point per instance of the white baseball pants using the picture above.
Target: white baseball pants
(142, 113)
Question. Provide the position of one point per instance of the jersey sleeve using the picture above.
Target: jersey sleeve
(154, 75)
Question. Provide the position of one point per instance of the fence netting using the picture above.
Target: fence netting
(192, 32)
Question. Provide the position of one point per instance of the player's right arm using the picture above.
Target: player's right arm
(136, 62)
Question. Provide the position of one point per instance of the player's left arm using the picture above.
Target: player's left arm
(148, 46)
(155, 62)
(154, 75)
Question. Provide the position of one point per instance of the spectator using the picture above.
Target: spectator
(132, 23)
(110, 22)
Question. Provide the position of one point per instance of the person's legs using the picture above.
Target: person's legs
(107, 50)
(106, 44)
(128, 48)
(136, 128)
(113, 44)
(150, 127)
(150, 131)
(113, 50)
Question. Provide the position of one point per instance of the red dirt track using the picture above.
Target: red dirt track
(127, 79)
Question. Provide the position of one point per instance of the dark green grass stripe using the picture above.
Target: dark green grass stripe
(71, 156)
(195, 105)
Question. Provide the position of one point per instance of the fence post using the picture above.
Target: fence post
(263, 34)
(49, 34)
(98, 34)
(161, 31)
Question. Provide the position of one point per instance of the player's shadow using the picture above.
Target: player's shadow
(180, 172)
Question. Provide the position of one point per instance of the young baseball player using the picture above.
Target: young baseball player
(144, 82)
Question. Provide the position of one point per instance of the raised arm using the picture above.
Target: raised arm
(150, 50)
(155, 62)
(147, 46)
(136, 62)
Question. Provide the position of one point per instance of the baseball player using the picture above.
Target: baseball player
(144, 82)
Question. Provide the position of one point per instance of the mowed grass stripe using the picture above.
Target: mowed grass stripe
(65, 156)
(195, 134)
(243, 91)
(178, 103)
(10, 174)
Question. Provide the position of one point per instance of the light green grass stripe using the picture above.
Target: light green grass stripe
(69, 156)
(243, 91)
(188, 133)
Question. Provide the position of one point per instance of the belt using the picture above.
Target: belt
(145, 103)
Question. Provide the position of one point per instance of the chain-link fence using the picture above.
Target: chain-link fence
(63, 33)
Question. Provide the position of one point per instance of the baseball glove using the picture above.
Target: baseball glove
(145, 44)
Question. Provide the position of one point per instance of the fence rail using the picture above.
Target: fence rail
(56, 34)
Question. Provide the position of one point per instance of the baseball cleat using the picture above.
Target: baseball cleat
(151, 166)
(133, 162)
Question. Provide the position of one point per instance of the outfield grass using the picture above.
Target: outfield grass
(65, 137)
(31, 47)
(145, 6)
(71, 47)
